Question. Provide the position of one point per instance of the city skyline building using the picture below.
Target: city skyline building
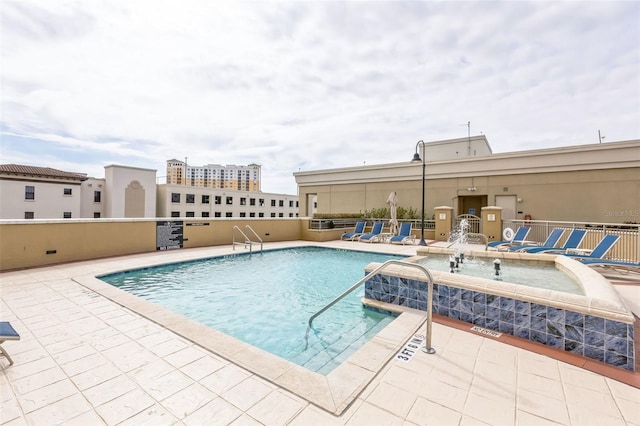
(230, 176)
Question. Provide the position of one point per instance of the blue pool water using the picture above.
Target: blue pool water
(266, 300)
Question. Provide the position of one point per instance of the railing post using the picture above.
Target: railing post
(428, 349)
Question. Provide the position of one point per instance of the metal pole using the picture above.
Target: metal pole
(416, 158)
(428, 349)
(422, 241)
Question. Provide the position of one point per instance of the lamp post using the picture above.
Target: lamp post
(416, 159)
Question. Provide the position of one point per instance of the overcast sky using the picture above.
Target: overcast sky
(301, 85)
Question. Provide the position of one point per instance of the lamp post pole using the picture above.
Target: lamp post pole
(416, 158)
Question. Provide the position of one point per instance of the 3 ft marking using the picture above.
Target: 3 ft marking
(410, 348)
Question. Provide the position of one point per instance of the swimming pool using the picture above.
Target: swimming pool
(266, 299)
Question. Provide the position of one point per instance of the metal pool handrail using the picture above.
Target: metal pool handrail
(427, 348)
(246, 239)
(256, 235)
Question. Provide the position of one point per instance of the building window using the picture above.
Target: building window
(29, 192)
(175, 197)
(175, 214)
(205, 214)
(191, 198)
(97, 196)
(229, 201)
(261, 202)
(280, 214)
(205, 199)
(218, 199)
(290, 214)
(67, 191)
(252, 214)
(296, 204)
(243, 201)
(252, 201)
(28, 215)
(291, 203)
(273, 203)
(281, 203)
(96, 215)
(273, 214)
(228, 214)
(66, 215)
(217, 214)
(191, 214)
(260, 214)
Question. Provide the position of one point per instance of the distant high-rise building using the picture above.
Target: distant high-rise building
(239, 178)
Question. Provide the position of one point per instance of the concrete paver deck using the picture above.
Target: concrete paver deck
(84, 359)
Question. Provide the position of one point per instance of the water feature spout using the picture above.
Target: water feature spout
(459, 239)
(452, 264)
(496, 267)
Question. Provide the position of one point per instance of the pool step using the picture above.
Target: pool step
(322, 356)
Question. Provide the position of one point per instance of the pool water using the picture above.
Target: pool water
(540, 276)
(266, 300)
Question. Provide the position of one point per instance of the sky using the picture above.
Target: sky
(308, 85)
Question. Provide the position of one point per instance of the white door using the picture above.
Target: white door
(508, 204)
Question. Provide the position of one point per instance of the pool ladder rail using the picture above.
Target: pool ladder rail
(247, 240)
(427, 348)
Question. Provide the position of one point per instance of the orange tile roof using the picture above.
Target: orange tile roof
(18, 169)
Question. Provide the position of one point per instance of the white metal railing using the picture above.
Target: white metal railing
(255, 234)
(427, 348)
(347, 223)
(247, 241)
(627, 249)
(474, 222)
(475, 238)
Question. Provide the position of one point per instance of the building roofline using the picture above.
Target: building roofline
(22, 170)
(625, 154)
(130, 167)
(496, 156)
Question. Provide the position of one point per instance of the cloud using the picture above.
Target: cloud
(311, 85)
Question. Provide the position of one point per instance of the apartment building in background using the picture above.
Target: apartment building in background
(30, 192)
(229, 177)
(190, 201)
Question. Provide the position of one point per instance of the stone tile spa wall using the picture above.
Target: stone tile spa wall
(586, 334)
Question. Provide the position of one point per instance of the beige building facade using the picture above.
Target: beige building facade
(30, 192)
(592, 183)
(187, 201)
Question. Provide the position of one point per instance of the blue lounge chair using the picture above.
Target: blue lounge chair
(518, 238)
(599, 251)
(7, 332)
(551, 241)
(611, 263)
(404, 235)
(357, 231)
(573, 242)
(373, 235)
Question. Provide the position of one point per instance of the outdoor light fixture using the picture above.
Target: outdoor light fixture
(417, 159)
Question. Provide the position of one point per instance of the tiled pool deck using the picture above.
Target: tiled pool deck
(84, 359)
